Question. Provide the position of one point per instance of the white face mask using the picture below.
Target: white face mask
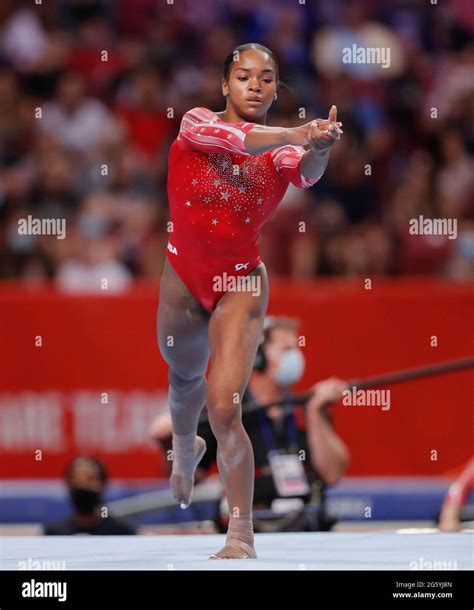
(290, 368)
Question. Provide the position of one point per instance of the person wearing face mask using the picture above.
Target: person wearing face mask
(296, 455)
(86, 479)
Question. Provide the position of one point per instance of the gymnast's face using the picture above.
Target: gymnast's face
(251, 85)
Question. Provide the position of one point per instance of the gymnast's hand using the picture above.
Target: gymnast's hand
(323, 134)
(320, 134)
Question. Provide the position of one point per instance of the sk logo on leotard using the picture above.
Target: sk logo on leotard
(172, 249)
(240, 266)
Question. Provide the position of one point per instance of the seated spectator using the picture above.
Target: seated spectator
(79, 123)
(86, 480)
(95, 264)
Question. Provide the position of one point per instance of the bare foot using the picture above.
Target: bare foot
(235, 549)
(182, 486)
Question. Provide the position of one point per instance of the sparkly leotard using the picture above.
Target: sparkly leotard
(220, 196)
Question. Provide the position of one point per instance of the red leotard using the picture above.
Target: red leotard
(220, 196)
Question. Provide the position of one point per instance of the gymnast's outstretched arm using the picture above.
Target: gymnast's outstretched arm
(200, 131)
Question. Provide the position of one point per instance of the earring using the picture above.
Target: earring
(275, 96)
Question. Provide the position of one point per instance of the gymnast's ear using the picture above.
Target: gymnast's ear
(225, 88)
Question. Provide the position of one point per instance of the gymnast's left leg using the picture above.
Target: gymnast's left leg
(235, 328)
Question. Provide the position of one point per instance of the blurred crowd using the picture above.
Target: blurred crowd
(92, 93)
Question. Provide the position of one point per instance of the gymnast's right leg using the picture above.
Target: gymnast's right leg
(184, 344)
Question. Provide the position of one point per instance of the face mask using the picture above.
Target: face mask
(85, 500)
(465, 245)
(18, 242)
(290, 367)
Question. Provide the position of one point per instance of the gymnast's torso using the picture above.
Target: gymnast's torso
(220, 197)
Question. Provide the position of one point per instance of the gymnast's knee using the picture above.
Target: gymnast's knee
(186, 362)
(224, 412)
(185, 382)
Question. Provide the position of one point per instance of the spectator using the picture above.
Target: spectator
(96, 267)
(142, 112)
(86, 480)
(79, 123)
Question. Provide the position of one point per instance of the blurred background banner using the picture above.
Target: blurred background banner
(92, 93)
(97, 381)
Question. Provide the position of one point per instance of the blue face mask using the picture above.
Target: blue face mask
(465, 245)
(290, 367)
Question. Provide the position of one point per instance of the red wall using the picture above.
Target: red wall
(104, 343)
